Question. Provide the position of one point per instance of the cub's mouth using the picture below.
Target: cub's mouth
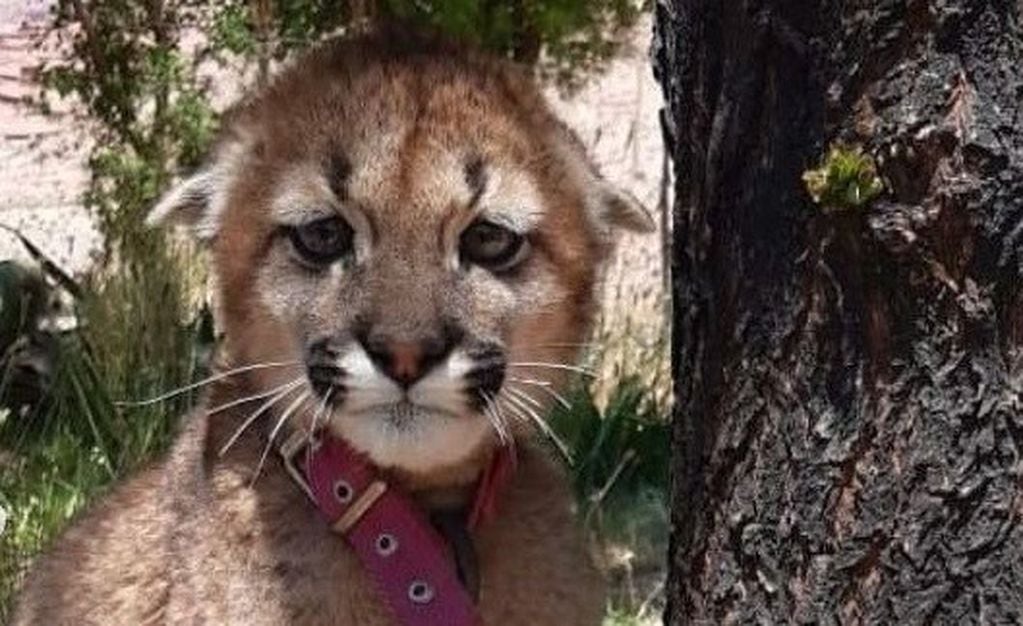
(404, 413)
(408, 403)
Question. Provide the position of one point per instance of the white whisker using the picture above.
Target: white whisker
(258, 396)
(255, 415)
(530, 415)
(557, 366)
(546, 387)
(503, 420)
(285, 416)
(488, 412)
(314, 425)
(205, 381)
(525, 397)
(564, 344)
(495, 421)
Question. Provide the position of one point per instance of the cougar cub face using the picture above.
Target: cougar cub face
(418, 232)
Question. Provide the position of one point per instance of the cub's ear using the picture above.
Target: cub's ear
(198, 201)
(612, 209)
(190, 203)
(619, 209)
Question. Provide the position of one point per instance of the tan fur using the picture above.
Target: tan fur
(194, 539)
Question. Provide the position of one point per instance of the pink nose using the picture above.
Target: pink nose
(406, 362)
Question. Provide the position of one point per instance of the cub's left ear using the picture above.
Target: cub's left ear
(611, 208)
(619, 209)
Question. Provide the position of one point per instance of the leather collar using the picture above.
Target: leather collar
(425, 572)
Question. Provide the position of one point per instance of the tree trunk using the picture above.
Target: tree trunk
(848, 431)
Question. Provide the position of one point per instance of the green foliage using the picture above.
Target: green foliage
(232, 32)
(40, 491)
(147, 109)
(621, 450)
(846, 179)
(269, 30)
(566, 39)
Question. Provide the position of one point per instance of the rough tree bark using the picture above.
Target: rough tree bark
(848, 432)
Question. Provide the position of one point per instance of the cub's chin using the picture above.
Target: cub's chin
(414, 438)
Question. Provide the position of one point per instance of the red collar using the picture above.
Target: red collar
(407, 559)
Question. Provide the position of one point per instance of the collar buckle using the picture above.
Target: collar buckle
(360, 507)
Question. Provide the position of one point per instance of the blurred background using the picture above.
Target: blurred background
(103, 102)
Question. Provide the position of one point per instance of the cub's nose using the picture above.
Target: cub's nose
(405, 362)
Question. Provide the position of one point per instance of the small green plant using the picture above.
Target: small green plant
(618, 617)
(846, 179)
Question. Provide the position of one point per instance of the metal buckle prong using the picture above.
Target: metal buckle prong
(290, 449)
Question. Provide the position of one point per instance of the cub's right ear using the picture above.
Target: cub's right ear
(198, 202)
(192, 203)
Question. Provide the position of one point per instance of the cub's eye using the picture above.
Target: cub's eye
(491, 246)
(323, 241)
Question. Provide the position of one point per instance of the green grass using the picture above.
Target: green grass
(136, 341)
(620, 459)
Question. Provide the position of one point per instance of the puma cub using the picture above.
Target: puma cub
(405, 244)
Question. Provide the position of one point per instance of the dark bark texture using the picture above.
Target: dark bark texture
(848, 431)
